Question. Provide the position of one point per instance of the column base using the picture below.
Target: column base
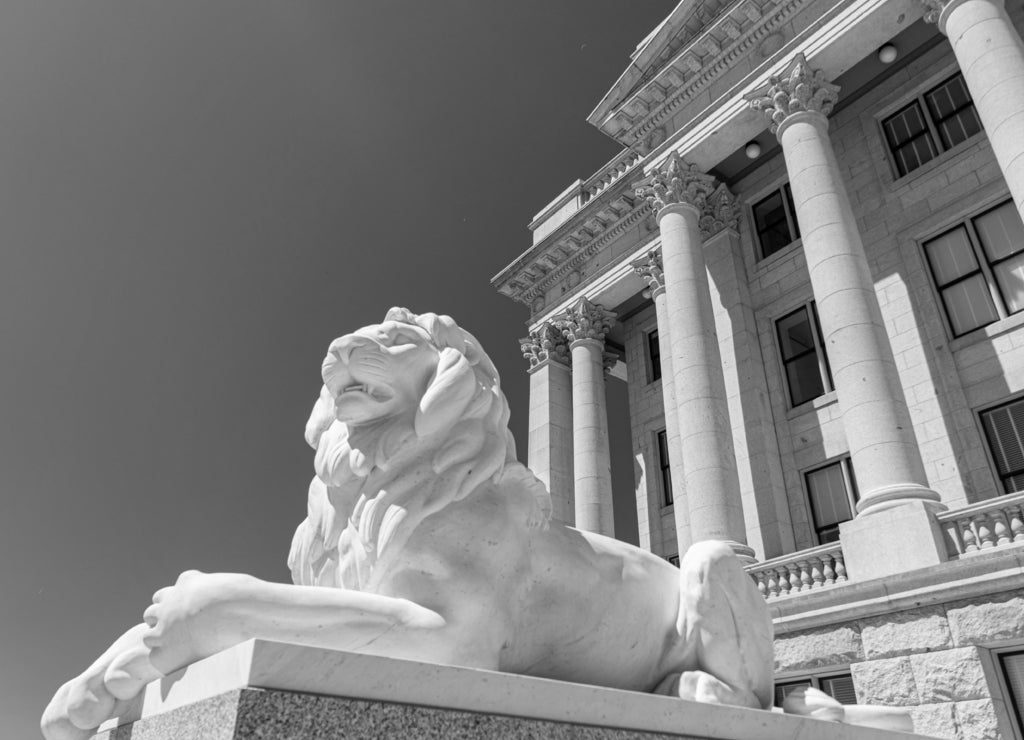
(902, 538)
(889, 497)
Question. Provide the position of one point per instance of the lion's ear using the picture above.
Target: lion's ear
(448, 394)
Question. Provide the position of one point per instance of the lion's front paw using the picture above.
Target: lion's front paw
(189, 621)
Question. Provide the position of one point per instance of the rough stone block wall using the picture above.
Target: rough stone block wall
(935, 660)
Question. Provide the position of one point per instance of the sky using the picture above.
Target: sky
(195, 198)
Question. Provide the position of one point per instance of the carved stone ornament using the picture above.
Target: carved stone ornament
(417, 500)
(649, 267)
(720, 212)
(677, 182)
(797, 89)
(609, 360)
(586, 320)
(546, 342)
(933, 9)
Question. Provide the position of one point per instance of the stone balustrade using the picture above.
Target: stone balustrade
(798, 572)
(619, 165)
(993, 523)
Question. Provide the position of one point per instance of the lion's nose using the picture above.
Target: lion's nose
(338, 357)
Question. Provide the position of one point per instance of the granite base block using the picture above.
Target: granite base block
(275, 691)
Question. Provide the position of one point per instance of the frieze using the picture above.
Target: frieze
(701, 60)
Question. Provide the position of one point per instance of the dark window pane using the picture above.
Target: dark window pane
(830, 501)
(953, 112)
(771, 224)
(909, 139)
(969, 304)
(782, 690)
(666, 470)
(950, 256)
(804, 376)
(840, 688)
(654, 352)
(795, 334)
(792, 211)
(1013, 671)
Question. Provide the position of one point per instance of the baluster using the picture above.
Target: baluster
(840, 566)
(773, 583)
(984, 529)
(1000, 527)
(827, 570)
(817, 578)
(785, 585)
(1017, 524)
(967, 535)
(954, 545)
(762, 587)
(804, 570)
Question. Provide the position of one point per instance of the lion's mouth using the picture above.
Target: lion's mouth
(377, 394)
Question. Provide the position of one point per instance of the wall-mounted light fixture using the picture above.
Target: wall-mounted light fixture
(888, 53)
(752, 150)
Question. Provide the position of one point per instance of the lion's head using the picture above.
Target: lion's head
(412, 391)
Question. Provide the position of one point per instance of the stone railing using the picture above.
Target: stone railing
(622, 163)
(983, 526)
(798, 572)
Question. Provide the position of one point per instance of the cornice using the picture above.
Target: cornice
(637, 121)
(611, 212)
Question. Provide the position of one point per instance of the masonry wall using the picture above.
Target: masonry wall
(939, 661)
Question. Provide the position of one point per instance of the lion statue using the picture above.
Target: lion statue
(425, 539)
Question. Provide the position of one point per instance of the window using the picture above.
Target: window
(832, 493)
(803, 359)
(1012, 665)
(978, 268)
(1004, 428)
(674, 559)
(839, 687)
(666, 471)
(654, 355)
(775, 221)
(934, 122)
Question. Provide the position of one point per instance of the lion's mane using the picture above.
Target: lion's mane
(376, 483)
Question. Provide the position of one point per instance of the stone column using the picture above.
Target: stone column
(876, 421)
(991, 56)
(550, 422)
(649, 267)
(585, 326)
(678, 194)
(874, 410)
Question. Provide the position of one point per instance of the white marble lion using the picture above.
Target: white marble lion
(426, 540)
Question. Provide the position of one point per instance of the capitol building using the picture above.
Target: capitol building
(807, 267)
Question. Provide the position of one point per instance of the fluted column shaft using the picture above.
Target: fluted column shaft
(877, 423)
(585, 327)
(991, 57)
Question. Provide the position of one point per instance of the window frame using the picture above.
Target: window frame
(824, 369)
(1012, 712)
(845, 463)
(814, 680)
(984, 268)
(789, 210)
(665, 468)
(990, 448)
(919, 99)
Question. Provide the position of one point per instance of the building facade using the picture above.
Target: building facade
(807, 265)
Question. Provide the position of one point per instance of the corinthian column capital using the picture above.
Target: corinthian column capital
(586, 320)
(937, 11)
(676, 182)
(545, 343)
(798, 89)
(649, 267)
(720, 212)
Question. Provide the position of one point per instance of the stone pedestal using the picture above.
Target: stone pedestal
(904, 539)
(272, 690)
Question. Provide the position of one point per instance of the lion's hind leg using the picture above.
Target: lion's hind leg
(725, 632)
